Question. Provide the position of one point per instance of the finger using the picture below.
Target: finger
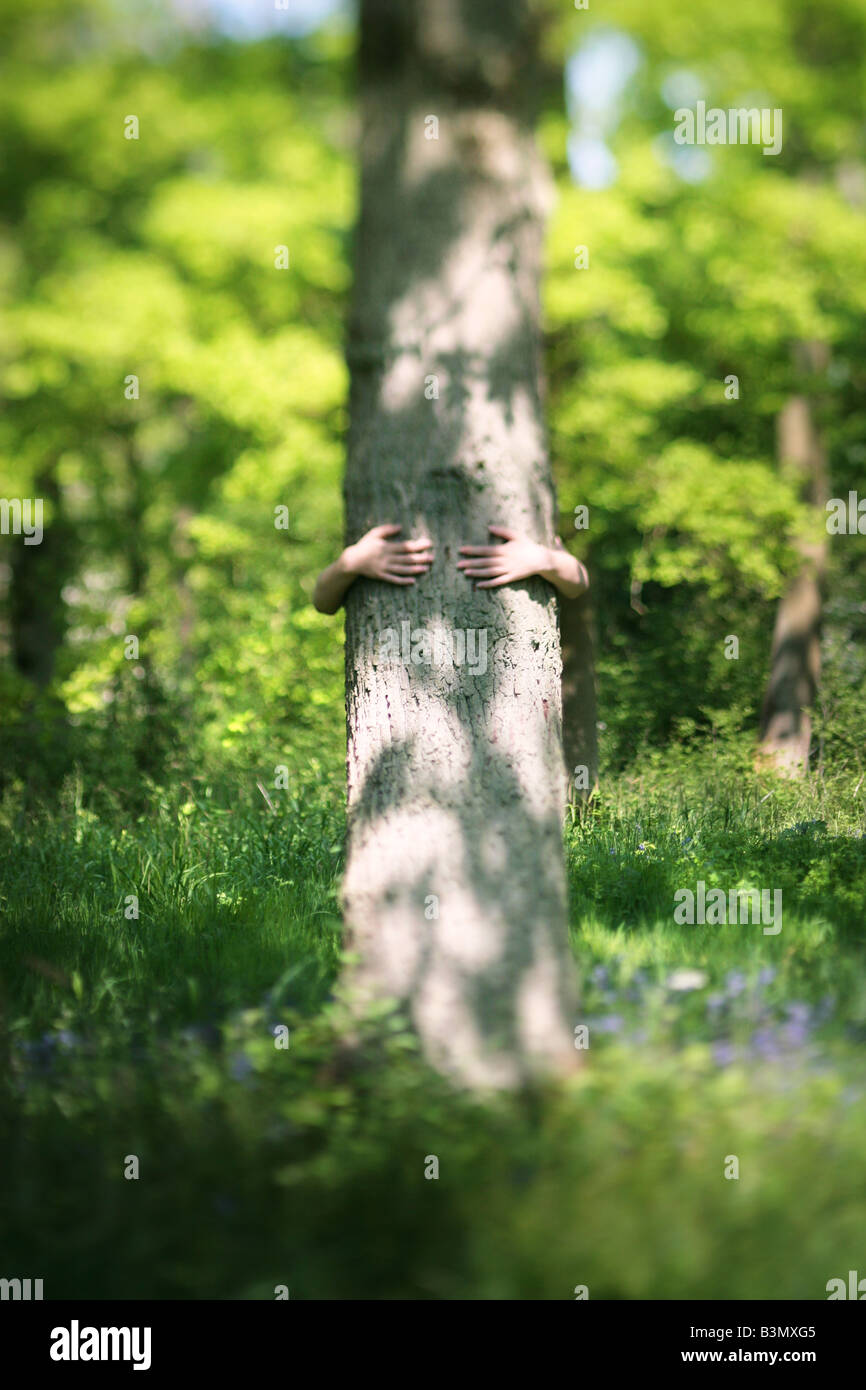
(407, 567)
(479, 550)
(494, 583)
(419, 543)
(396, 579)
(503, 531)
(488, 571)
(388, 530)
(406, 548)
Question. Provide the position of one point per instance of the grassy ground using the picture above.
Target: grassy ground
(263, 1165)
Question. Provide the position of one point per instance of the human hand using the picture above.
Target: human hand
(396, 562)
(493, 565)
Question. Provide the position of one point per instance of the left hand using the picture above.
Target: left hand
(492, 565)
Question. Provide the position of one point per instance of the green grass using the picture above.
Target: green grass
(305, 1166)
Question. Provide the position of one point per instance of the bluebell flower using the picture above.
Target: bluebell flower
(796, 1033)
(798, 1012)
(636, 987)
(765, 1044)
(40, 1053)
(241, 1067)
(612, 1023)
(825, 1008)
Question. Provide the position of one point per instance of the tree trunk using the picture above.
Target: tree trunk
(454, 891)
(795, 660)
(39, 573)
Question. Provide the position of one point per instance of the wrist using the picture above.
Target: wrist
(348, 562)
(547, 563)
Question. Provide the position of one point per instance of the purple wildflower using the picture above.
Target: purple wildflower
(241, 1067)
(612, 1023)
(798, 1012)
(765, 1044)
(825, 1008)
(796, 1033)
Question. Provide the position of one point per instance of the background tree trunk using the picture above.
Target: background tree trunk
(39, 573)
(795, 659)
(454, 891)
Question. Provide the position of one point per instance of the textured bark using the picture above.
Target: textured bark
(795, 660)
(455, 774)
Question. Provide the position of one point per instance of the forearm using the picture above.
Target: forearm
(334, 582)
(565, 572)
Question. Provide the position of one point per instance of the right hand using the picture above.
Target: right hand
(396, 562)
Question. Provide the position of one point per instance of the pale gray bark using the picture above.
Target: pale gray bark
(455, 775)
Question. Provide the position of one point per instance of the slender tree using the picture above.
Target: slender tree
(795, 658)
(454, 892)
(38, 573)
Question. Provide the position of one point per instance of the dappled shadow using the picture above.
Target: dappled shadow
(454, 890)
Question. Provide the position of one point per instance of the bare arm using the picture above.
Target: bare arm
(376, 556)
(332, 584)
(518, 558)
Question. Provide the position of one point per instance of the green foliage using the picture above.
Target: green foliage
(304, 1165)
(157, 775)
(158, 258)
(688, 284)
